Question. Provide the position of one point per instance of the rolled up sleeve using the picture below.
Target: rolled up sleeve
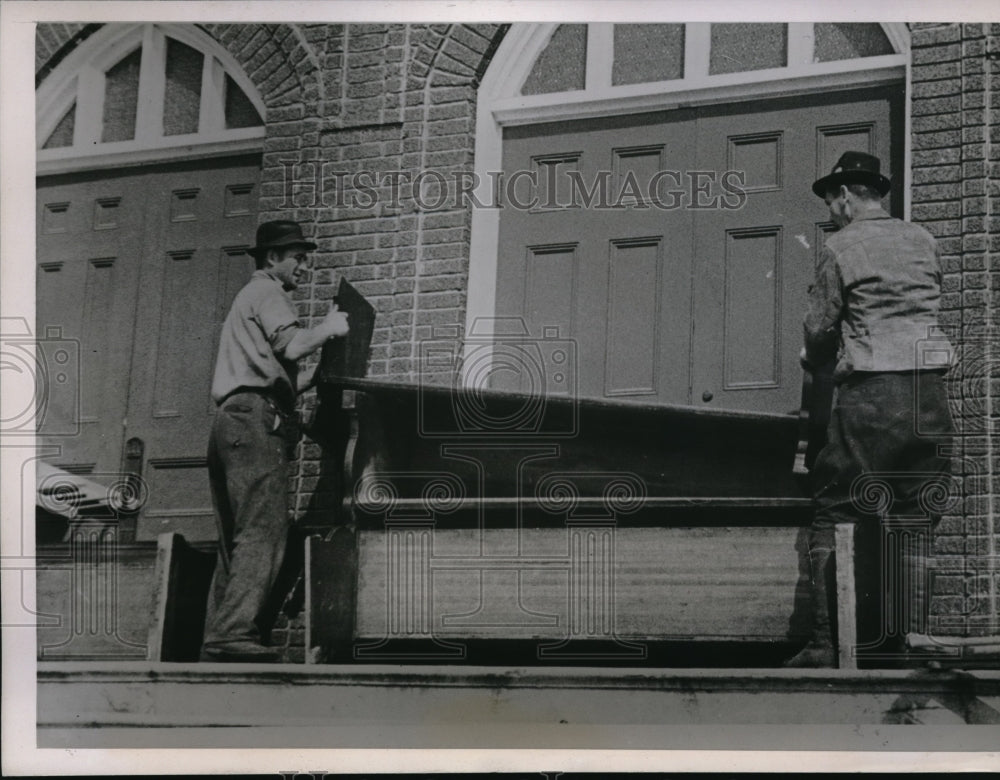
(823, 316)
(278, 320)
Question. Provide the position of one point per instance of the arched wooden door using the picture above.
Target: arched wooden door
(146, 198)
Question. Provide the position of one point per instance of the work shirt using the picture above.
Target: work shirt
(875, 300)
(258, 328)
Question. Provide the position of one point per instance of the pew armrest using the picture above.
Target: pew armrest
(182, 579)
(847, 633)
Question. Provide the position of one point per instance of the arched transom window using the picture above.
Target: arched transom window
(631, 67)
(130, 88)
(645, 53)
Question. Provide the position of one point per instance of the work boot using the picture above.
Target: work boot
(240, 652)
(820, 652)
(817, 654)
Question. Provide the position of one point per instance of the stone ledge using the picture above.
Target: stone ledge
(146, 704)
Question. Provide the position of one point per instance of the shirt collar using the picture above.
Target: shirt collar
(263, 273)
(878, 213)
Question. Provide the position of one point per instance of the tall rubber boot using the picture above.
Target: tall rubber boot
(820, 651)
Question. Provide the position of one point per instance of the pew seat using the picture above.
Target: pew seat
(591, 524)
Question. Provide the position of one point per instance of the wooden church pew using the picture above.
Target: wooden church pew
(589, 530)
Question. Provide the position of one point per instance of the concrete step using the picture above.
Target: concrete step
(143, 704)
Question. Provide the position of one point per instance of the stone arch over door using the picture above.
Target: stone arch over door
(277, 58)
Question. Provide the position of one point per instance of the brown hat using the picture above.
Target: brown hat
(279, 234)
(853, 168)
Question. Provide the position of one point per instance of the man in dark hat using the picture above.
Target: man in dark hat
(873, 305)
(253, 436)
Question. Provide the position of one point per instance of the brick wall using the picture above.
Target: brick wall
(55, 41)
(955, 170)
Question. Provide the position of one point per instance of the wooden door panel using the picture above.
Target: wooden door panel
(550, 287)
(88, 255)
(630, 339)
(200, 221)
(754, 264)
(634, 286)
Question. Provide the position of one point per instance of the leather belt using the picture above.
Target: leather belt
(268, 395)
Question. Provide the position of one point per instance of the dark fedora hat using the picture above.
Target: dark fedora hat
(279, 234)
(853, 168)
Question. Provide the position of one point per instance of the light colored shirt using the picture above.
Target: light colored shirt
(258, 328)
(875, 299)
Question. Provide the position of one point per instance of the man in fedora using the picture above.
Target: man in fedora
(874, 302)
(253, 436)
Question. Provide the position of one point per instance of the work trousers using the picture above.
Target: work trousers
(248, 458)
(883, 468)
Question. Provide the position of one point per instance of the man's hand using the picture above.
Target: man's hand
(803, 361)
(305, 342)
(335, 323)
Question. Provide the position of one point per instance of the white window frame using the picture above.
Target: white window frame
(82, 72)
(501, 105)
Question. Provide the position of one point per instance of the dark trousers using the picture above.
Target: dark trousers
(248, 470)
(882, 468)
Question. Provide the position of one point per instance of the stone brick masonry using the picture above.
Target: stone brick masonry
(955, 173)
